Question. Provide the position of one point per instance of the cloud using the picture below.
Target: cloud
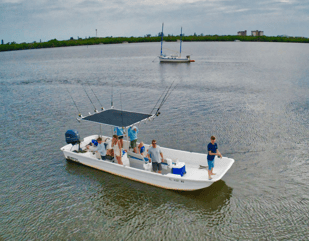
(46, 19)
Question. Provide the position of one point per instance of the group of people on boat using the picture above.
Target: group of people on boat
(117, 144)
(101, 148)
(154, 154)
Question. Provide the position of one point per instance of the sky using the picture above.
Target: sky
(43, 20)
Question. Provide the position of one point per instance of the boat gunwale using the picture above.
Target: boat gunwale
(168, 175)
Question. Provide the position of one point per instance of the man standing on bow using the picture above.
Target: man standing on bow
(212, 152)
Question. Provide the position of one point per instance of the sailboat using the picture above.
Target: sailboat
(174, 58)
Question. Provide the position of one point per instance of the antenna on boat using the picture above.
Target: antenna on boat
(180, 41)
(112, 102)
(121, 110)
(102, 108)
(79, 114)
(162, 38)
(95, 110)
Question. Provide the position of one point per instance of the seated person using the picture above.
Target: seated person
(110, 152)
(100, 148)
(141, 148)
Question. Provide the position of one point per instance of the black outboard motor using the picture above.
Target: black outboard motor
(72, 137)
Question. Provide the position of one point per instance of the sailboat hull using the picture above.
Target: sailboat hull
(174, 60)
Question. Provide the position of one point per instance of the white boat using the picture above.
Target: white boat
(181, 169)
(173, 58)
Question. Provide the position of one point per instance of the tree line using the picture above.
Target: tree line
(114, 40)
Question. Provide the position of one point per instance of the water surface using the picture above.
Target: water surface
(252, 96)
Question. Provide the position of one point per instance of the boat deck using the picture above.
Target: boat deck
(191, 160)
(195, 173)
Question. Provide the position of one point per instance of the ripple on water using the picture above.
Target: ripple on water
(252, 96)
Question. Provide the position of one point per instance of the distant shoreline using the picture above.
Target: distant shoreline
(116, 40)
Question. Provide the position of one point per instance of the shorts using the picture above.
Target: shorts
(156, 166)
(211, 164)
(133, 143)
(120, 137)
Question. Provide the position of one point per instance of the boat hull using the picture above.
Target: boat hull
(174, 60)
(194, 179)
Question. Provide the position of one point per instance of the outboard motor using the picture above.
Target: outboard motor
(72, 137)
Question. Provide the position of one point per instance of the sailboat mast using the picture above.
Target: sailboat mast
(162, 38)
(180, 41)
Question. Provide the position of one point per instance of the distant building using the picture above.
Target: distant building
(148, 35)
(2, 42)
(242, 33)
(257, 33)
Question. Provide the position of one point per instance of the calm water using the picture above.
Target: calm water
(252, 96)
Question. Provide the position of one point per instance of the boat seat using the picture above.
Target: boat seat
(136, 160)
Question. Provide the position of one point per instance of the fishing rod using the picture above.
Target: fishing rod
(204, 167)
(164, 99)
(237, 152)
(79, 114)
(102, 108)
(95, 109)
(165, 96)
(169, 93)
(158, 100)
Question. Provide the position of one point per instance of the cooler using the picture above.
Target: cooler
(179, 169)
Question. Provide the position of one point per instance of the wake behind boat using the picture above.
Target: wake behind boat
(173, 58)
(181, 169)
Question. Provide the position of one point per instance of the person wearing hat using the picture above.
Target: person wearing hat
(132, 133)
(100, 148)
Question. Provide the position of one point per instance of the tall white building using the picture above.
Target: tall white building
(257, 33)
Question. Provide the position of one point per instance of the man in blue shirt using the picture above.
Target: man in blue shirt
(132, 132)
(212, 152)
